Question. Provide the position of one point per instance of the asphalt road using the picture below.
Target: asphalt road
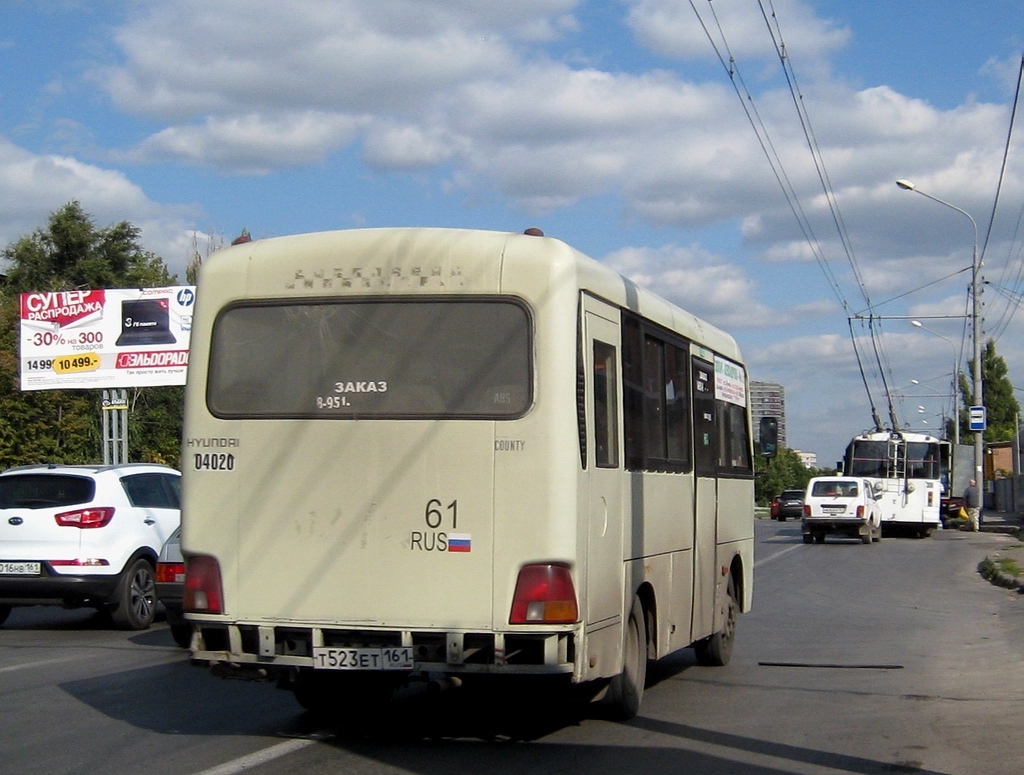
(894, 657)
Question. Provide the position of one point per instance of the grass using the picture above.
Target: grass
(1004, 571)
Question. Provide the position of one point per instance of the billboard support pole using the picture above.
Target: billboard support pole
(115, 427)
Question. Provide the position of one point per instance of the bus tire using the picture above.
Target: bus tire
(626, 690)
(716, 651)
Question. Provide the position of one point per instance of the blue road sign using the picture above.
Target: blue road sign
(977, 418)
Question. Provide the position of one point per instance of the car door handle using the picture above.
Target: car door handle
(149, 521)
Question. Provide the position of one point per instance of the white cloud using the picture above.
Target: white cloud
(672, 28)
(252, 143)
(184, 58)
(33, 186)
(697, 281)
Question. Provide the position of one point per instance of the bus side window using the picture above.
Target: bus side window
(606, 419)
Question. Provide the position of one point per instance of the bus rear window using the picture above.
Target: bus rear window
(394, 359)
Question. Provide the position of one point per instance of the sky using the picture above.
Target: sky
(666, 138)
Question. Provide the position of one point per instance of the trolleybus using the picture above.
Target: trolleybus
(906, 470)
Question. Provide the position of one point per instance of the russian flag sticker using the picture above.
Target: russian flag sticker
(460, 542)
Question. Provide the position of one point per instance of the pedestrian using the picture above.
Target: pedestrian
(972, 501)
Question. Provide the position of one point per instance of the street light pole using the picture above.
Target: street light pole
(956, 378)
(979, 436)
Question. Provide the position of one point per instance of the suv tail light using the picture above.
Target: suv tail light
(204, 593)
(545, 594)
(860, 512)
(85, 518)
(807, 510)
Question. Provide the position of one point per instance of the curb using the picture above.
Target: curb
(989, 569)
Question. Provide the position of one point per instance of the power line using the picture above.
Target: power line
(746, 99)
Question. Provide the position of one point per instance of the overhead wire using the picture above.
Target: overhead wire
(872, 321)
(768, 148)
(874, 329)
(812, 144)
(778, 168)
(1007, 316)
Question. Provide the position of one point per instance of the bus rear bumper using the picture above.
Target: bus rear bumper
(267, 652)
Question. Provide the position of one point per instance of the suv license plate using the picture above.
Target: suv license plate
(388, 658)
(834, 509)
(19, 568)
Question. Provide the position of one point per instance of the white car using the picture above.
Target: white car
(841, 504)
(86, 536)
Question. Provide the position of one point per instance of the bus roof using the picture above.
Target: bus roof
(413, 260)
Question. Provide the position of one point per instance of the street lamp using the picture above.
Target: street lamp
(979, 436)
(956, 374)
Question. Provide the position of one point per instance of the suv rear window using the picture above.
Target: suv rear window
(41, 491)
(834, 489)
(344, 359)
(792, 495)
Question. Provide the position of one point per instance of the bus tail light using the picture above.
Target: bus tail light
(204, 593)
(545, 594)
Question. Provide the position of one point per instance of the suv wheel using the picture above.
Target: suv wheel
(134, 603)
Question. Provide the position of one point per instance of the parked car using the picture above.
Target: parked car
(791, 504)
(86, 535)
(841, 504)
(170, 588)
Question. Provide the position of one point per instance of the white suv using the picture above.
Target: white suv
(86, 535)
(841, 504)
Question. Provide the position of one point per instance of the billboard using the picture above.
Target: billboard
(106, 338)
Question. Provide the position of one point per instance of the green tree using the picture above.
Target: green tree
(1001, 407)
(63, 426)
(785, 471)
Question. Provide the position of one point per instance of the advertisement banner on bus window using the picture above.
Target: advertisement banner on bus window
(730, 382)
(106, 338)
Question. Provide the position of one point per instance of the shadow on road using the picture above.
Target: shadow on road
(475, 730)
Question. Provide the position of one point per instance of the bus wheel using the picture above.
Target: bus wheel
(808, 538)
(627, 688)
(819, 538)
(716, 651)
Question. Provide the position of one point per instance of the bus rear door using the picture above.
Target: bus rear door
(705, 468)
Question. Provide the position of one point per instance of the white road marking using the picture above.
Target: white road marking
(28, 665)
(777, 555)
(244, 763)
